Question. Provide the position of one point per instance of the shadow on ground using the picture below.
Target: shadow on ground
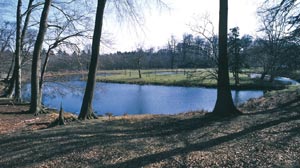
(137, 144)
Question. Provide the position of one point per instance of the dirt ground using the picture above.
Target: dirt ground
(267, 135)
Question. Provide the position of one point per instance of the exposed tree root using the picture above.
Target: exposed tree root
(41, 110)
(90, 116)
(227, 113)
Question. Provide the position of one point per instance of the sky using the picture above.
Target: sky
(160, 25)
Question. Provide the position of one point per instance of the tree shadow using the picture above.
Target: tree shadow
(153, 158)
(26, 149)
(287, 105)
(16, 112)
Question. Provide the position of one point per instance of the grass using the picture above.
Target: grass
(182, 77)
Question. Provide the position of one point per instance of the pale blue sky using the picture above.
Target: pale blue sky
(160, 25)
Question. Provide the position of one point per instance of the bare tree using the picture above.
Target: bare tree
(86, 111)
(17, 69)
(224, 104)
(65, 30)
(139, 55)
(274, 28)
(15, 81)
(7, 38)
(206, 29)
(35, 104)
(125, 8)
(172, 50)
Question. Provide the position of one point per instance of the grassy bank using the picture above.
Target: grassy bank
(181, 77)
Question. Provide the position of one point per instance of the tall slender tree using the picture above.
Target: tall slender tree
(35, 103)
(16, 79)
(18, 53)
(86, 111)
(124, 8)
(224, 104)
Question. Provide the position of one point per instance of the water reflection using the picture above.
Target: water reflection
(135, 99)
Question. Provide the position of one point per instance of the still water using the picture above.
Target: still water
(134, 99)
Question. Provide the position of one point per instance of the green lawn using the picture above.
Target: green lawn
(181, 77)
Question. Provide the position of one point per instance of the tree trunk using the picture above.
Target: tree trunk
(61, 120)
(10, 91)
(17, 68)
(139, 68)
(237, 79)
(86, 111)
(263, 75)
(43, 75)
(35, 105)
(140, 74)
(10, 69)
(224, 104)
(272, 77)
(26, 22)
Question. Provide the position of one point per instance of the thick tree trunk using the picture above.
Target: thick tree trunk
(86, 111)
(17, 68)
(35, 104)
(224, 104)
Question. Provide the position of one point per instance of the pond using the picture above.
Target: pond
(134, 99)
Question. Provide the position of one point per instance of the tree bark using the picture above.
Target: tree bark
(15, 83)
(263, 75)
(10, 69)
(35, 104)
(43, 75)
(10, 91)
(26, 22)
(224, 105)
(86, 111)
(17, 69)
(139, 68)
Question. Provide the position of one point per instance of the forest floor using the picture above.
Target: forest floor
(267, 135)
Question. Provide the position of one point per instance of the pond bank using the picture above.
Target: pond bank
(186, 78)
(167, 77)
(258, 85)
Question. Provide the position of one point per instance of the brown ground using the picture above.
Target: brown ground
(267, 135)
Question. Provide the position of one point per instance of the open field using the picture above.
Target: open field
(182, 77)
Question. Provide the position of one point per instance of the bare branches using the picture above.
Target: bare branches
(132, 11)
(204, 27)
(284, 8)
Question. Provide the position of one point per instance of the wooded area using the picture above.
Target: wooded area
(275, 51)
(65, 37)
